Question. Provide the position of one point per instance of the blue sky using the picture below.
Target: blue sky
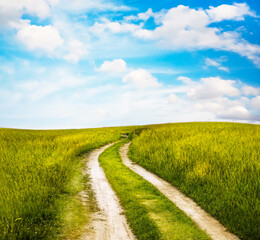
(94, 63)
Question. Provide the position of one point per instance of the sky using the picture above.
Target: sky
(98, 63)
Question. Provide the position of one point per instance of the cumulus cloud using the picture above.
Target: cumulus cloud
(50, 95)
(115, 66)
(182, 27)
(141, 79)
(58, 40)
(15, 15)
(249, 90)
(236, 112)
(213, 87)
(172, 98)
(185, 80)
(140, 16)
(76, 51)
(255, 103)
(11, 11)
(225, 108)
(46, 38)
(237, 11)
(177, 28)
(157, 16)
(114, 27)
(224, 99)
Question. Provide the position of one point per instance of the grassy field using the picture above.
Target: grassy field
(216, 164)
(40, 178)
(150, 214)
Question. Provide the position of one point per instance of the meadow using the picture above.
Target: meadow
(150, 214)
(40, 178)
(216, 164)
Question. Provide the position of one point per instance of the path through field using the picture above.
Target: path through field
(203, 220)
(109, 222)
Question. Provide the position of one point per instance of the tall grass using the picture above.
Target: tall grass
(40, 175)
(216, 164)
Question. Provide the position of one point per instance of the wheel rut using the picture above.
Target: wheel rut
(202, 219)
(108, 223)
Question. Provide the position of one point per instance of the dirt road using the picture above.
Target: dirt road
(108, 223)
(203, 220)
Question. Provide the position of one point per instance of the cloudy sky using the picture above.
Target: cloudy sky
(94, 63)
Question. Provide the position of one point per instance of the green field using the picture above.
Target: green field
(40, 178)
(150, 214)
(216, 164)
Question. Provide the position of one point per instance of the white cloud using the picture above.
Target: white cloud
(114, 27)
(225, 108)
(140, 16)
(80, 102)
(45, 38)
(168, 71)
(12, 10)
(215, 63)
(76, 51)
(185, 80)
(211, 62)
(146, 15)
(220, 97)
(225, 69)
(103, 112)
(55, 81)
(141, 79)
(236, 112)
(211, 106)
(7, 69)
(185, 28)
(73, 41)
(255, 103)
(249, 90)
(116, 66)
(80, 6)
(172, 98)
(213, 87)
(237, 11)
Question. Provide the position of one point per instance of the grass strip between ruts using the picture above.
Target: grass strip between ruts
(150, 214)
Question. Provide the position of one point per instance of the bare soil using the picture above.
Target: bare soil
(108, 222)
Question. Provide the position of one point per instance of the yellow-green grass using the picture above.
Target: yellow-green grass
(150, 214)
(216, 164)
(40, 178)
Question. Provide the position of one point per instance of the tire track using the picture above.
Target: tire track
(108, 223)
(203, 220)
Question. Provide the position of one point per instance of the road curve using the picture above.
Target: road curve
(203, 220)
(108, 223)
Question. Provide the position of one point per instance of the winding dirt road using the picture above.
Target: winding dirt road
(108, 223)
(203, 220)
